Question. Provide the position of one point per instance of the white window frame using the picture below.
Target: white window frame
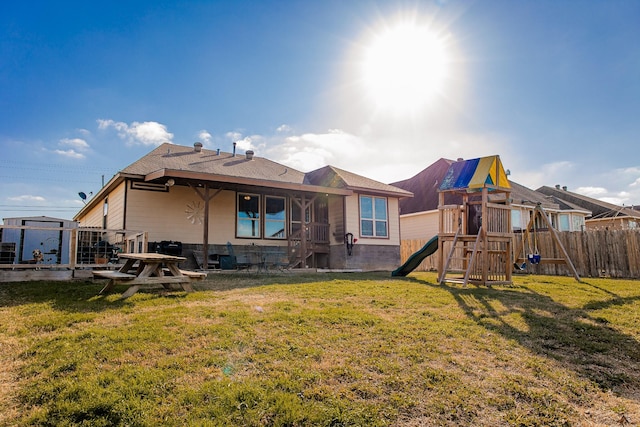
(375, 221)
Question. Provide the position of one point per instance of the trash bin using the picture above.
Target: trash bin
(227, 262)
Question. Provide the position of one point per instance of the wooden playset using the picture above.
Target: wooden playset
(475, 235)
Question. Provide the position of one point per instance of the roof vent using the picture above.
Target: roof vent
(564, 188)
(557, 186)
(249, 154)
(197, 147)
(234, 149)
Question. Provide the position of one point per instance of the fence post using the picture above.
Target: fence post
(73, 246)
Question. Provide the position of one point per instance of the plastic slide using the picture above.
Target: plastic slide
(415, 259)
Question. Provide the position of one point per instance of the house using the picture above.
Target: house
(204, 199)
(419, 215)
(563, 215)
(604, 215)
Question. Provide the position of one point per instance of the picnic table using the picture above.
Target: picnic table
(148, 269)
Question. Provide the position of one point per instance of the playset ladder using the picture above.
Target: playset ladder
(461, 245)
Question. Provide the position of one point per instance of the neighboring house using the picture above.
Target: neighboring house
(563, 215)
(419, 215)
(204, 199)
(21, 236)
(604, 215)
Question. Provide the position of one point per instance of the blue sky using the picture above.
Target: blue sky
(88, 87)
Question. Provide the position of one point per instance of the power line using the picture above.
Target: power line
(58, 168)
(8, 164)
(17, 207)
(43, 209)
(31, 178)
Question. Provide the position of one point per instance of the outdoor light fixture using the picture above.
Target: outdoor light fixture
(170, 182)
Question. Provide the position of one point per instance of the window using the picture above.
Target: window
(275, 218)
(516, 220)
(373, 216)
(248, 220)
(105, 212)
(564, 222)
(578, 223)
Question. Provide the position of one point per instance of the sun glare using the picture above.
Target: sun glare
(405, 67)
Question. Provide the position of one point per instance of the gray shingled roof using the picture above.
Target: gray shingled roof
(331, 176)
(182, 158)
(179, 157)
(424, 187)
(598, 208)
(522, 195)
(425, 184)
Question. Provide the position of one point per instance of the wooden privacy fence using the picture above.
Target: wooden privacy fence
(594, 253)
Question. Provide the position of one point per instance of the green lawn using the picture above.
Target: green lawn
(323, 350)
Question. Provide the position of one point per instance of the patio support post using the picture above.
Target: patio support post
(206, 197)
(205, 233)
(304, 204)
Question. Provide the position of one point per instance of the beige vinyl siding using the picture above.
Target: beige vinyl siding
(165, 215)
(352, 215)
(115, 215)
(93, 218)
(422, 225)
(353, 222)
(394, 221)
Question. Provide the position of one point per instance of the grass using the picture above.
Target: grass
(323, 350)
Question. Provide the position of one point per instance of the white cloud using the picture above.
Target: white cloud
(550, 174)
(205, 136)
(613, 200)
(233, 136)
(76, 143)
(71, 153)
(284, 128)
(106, 124)
(145, 133)
(314, 150)
(594, 192)
(245, 143)
(622, 186)
(251, 142)
(27, 198)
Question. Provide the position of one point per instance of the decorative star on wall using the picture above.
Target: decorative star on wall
(195, 212)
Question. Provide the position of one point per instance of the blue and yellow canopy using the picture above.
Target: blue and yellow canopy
(475, 174)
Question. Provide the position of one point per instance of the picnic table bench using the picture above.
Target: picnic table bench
(151, 269)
